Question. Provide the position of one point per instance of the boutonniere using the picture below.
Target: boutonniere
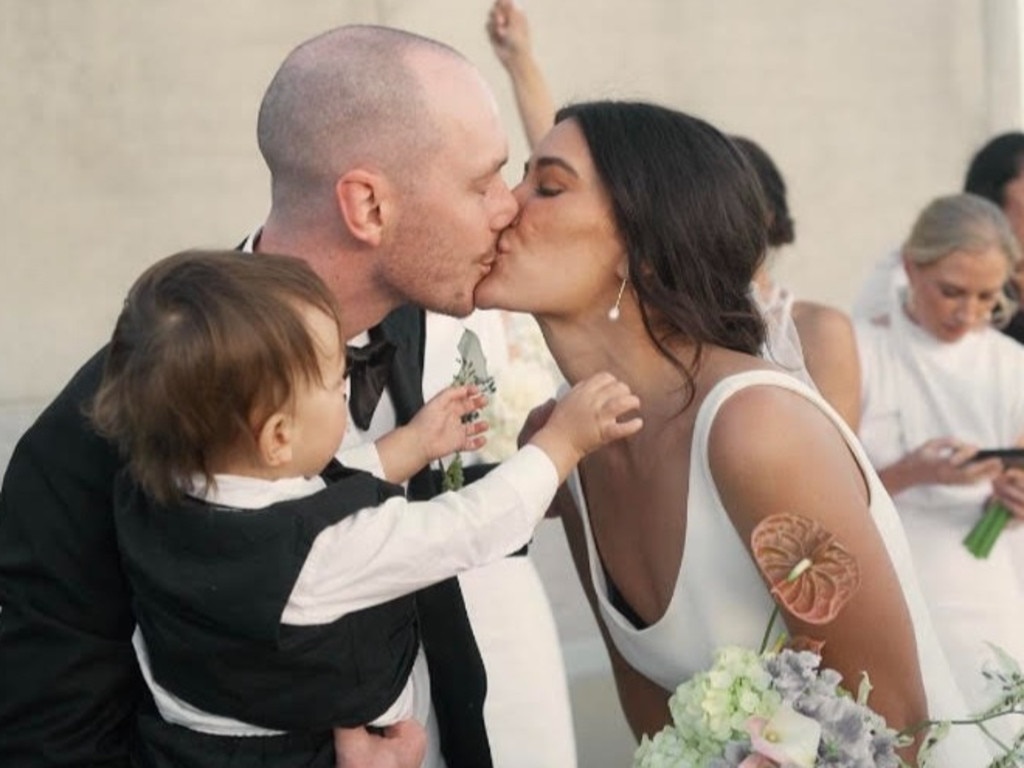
(472, 370)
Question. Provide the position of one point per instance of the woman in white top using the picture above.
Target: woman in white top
(640, 229)
(939, 382)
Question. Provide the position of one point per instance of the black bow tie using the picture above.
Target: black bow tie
(368, 370)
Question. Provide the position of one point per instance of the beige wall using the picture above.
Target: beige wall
(128, 128)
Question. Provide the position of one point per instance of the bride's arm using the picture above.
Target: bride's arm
(772, 451)
(644, 703)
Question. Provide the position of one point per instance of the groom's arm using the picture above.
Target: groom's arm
(71, 685)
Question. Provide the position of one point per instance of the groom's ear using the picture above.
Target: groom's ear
(363, 199)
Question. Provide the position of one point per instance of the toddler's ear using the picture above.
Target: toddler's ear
(274, 440)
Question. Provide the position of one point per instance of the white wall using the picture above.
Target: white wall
(129, 133)
(129, 127)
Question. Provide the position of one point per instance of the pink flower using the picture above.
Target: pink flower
(757, 761)
(786, 739)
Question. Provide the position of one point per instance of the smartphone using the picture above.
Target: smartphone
(1011, 457)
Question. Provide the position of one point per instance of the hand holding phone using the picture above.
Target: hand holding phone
(1011, 457)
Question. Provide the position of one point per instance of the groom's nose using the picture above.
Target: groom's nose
(506, 208)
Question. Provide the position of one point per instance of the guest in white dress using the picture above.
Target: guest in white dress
(939, 383)
(639, 232)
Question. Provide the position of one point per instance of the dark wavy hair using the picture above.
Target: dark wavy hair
(208, 345)
(781, 229)
(994, 166)
(692, 217)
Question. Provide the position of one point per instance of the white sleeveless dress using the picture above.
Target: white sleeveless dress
(720, 598)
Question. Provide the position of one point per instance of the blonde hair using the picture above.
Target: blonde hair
(966, 223)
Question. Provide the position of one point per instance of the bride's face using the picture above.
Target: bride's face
(562, 255)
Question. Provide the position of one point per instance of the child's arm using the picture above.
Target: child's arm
(400, 546)
(436, 430)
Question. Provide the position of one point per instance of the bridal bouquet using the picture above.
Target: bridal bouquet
(753, 710)
(779, 707)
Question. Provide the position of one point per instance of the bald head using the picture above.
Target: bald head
(351, 96)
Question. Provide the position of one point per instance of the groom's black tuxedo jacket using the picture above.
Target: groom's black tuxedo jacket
(70, 689)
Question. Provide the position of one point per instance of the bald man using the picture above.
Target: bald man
(385, 151)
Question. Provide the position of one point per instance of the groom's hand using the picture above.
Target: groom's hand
(401, 745)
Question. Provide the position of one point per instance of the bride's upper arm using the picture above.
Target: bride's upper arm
(772, 451)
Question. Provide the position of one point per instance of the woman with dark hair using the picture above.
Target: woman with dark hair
(995, 174)
(812, 341)
(639, 231)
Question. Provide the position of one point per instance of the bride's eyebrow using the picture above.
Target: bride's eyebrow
(543, 162)
(546, 161)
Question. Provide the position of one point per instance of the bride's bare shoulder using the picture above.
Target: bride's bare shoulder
(772, 450)
(772, 427)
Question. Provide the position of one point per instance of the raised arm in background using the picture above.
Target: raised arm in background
(509, 33)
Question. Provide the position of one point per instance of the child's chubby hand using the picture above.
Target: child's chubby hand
(450, 422)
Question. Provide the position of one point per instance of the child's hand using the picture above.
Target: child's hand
(587, 418)
(441, 426)
(401, 745)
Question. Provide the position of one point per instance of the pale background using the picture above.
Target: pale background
(128, 133)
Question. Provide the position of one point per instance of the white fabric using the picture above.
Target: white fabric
(527, 710)
(782, 341)
(878, 291)
(720, 599)
(916, 388)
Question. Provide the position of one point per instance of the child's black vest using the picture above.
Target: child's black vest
(210, 584)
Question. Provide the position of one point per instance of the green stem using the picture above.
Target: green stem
(977, 532)
(983, 535)
(768, 629)
(999, 518)
(1002, 517)
(978, 721)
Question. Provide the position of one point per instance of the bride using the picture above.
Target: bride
(639, 232)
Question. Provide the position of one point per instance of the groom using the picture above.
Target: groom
(385, 152)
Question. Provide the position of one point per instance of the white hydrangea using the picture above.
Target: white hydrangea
(712, 709)
(665, 750)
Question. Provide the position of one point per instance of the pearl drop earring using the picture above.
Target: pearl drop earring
(613, 313)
